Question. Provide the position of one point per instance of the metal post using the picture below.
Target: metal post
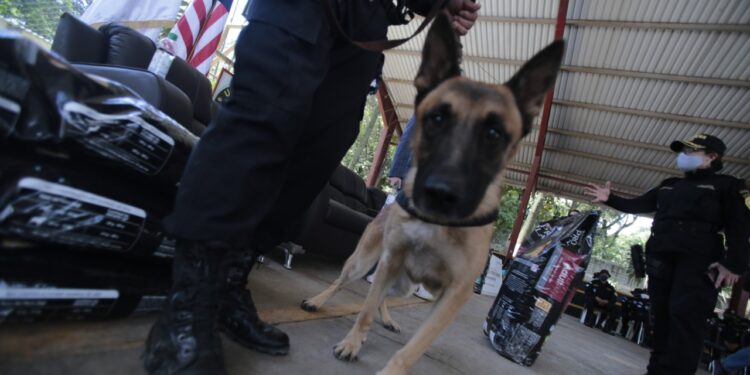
(562, 12)
(390, 121)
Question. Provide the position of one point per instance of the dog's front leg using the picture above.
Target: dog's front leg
(443, 313)
(385, 276)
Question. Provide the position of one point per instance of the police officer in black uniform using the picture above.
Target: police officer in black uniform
(600, 294)
(297, 98)
(686, 259)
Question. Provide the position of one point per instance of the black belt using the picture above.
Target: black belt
(683, 226)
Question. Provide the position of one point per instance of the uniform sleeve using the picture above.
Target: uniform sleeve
(402, 156)
(736, 219)
(640, 205)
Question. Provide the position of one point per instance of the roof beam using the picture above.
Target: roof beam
(574, 179)
(657, 76)
(607, 159)
(731, 28)
(629, 143)
(534, 21)
(600, 71)
(638, 112)
(741, 28)
(659, 115)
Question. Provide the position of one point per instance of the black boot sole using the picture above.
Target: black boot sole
(258, 348)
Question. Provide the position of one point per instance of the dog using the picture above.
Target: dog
(439, 232)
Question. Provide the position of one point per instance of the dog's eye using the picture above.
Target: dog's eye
(493, 133)
(496, 134)
(437, 118)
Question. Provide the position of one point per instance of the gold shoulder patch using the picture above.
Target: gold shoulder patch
(746, 195)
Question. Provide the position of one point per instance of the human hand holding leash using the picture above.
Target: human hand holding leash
(463, 15)
(724, 277)
(599, 193)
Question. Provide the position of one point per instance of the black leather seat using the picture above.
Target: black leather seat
(339, 214)
(122, 54)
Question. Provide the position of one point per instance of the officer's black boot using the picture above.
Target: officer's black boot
(238, 318)
(184, 339)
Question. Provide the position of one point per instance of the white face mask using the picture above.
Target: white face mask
(689, 163)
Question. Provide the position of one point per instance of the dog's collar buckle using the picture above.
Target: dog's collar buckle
(479, 221)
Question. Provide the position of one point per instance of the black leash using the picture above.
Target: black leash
(382, 45)
(488, 218)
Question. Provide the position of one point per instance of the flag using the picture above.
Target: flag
(147, 16)
(189, 27)
(208, 39)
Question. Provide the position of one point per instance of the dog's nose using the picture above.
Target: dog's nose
(441, 190)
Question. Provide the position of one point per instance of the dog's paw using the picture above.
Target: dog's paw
(346, 350)
(392, 326)
(309, 307)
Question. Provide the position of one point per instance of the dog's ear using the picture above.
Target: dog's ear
(441, 56)
(536, 76)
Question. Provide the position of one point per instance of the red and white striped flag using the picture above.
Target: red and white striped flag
(189, 26)
(208, 39)
(199, 31)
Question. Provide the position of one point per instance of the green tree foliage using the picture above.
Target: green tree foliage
(40, 16)
(360, 156)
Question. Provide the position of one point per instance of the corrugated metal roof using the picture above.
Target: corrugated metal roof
(636, 75)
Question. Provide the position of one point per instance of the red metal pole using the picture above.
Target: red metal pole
(562, 13)
(390, 122)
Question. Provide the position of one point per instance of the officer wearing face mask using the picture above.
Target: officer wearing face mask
(686, 257)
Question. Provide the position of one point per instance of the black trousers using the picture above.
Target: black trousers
(591, 304)
(682, 298)
(294, 111)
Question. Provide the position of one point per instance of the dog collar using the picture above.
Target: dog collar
(489, 218)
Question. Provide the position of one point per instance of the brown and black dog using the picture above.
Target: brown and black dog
(467, 132)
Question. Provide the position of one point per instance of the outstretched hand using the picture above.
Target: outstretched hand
(463, 15)
(598, 193)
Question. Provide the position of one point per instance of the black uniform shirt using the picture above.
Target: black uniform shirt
(602, 289)
(690, 211)
(304, 18)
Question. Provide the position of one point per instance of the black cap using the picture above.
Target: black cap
(604, 270)
(700, 142)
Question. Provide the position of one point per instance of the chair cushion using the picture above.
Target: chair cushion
(352, 189)
(195, 85)
(78, 42)
(152, 88)
(128, 47)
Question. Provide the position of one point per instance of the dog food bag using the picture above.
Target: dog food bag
(539, 285)
(40, 264)
(41, 210)
(30, 303)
